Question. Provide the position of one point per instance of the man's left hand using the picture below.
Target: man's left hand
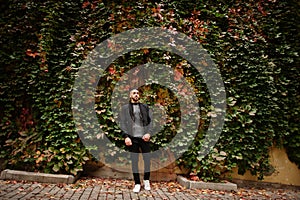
(146, 137)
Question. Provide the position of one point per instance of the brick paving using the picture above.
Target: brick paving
(98, 188)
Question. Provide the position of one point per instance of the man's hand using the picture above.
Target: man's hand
(146, 137)
(128, 141)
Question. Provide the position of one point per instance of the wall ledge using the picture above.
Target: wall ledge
(206, 185)
(8, 174)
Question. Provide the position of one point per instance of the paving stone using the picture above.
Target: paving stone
(11, 191)
(154, 194)
(183, 196)
(3, 187)
(134, 196)
(69, 193)
(122, 190)
(35, 190)
(126, 195)
(46, 193)
(61, 193)
(162, 194)
(22, 191)
(77, 194)
(95, 193)
(86, 194)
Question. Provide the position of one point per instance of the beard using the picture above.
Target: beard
(135, 98)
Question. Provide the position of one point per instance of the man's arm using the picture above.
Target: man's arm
(148, 132)
(124, 129)
(123, 124)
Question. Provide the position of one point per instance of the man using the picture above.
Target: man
(136, 128)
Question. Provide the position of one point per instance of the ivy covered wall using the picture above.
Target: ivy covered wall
(255, 45)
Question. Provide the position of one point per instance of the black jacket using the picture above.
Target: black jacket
(127, 119)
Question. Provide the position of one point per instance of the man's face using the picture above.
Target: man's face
(134, 96)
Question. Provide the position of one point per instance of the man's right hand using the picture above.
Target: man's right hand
(128, 141)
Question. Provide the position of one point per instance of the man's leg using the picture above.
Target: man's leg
(145, 146)
(134, 149)
(134, 165)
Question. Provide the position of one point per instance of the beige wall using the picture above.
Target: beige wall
(285, 172)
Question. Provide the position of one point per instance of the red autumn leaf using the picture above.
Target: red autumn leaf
(178, 74)
(31, 54)
(194, 178)
(93, 6)
(111, 70)
(85, 4)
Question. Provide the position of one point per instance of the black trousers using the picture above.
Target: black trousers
(140, 146)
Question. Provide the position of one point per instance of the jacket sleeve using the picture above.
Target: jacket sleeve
(124, 125)
(149, 127)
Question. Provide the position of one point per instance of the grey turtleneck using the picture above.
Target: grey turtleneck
(138, 129)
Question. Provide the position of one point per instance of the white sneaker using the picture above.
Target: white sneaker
(147, 185)
(137, 188)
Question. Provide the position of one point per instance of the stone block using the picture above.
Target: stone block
(183, 181)
(206, 185)
(8, 174)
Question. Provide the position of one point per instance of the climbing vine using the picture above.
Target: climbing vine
(255, 45)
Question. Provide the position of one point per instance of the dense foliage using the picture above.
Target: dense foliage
(255, 45)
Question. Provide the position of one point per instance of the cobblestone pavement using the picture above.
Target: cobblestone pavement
(97, 188)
